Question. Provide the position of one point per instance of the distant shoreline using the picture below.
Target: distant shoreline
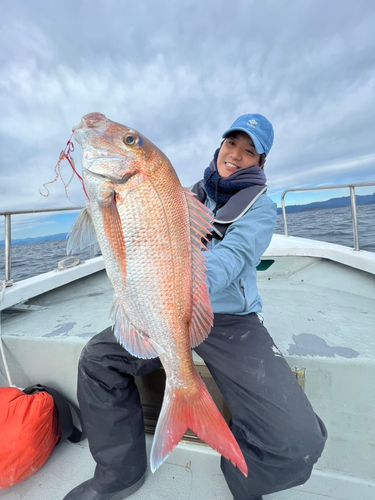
(342, 202)
(290, 209)
(37, 239)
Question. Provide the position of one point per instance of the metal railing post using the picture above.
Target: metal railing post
(354, 217)
(284, 213)
(7, 244)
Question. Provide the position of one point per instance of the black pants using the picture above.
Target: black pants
(274, 424)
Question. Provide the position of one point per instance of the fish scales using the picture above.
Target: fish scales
(158, 263)
(149, 230)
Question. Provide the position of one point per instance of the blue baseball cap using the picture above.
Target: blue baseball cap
(258, 128)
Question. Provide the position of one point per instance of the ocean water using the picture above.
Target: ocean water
(331, 225)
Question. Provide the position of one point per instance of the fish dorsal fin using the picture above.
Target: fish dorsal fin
(82, 235)
(200, 226)
(135, 342)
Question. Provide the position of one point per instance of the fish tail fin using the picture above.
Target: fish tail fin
(200, 414)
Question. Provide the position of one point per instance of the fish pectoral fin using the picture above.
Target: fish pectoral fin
(200, 225)
(137, 343)
(82, 235)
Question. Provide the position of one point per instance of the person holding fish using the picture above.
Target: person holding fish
(183, 266)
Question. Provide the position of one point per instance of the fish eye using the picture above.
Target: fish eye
(130, 140)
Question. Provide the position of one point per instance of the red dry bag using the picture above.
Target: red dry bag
(31, 424)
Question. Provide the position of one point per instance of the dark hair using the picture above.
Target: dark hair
(262, 159)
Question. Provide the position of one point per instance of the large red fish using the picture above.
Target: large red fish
(149, 230)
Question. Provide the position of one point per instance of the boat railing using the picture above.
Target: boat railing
(353, 204)
(8, 214)
(8, 234)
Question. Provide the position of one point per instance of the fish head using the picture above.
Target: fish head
(115, 151)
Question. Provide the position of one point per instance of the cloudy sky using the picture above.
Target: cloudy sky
(181, 72)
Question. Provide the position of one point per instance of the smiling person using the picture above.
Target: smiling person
(273, 422)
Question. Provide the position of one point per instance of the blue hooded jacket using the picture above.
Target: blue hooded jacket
(231, 262)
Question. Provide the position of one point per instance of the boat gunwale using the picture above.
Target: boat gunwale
(280, 246)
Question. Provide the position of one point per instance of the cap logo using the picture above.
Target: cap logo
(252, 123)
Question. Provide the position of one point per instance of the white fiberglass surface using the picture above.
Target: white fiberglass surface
(301, 296)
(191, 473)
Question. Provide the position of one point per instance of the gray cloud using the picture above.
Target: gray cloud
(180, 73)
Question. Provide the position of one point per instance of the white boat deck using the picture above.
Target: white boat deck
(321, 314)
(191, 475)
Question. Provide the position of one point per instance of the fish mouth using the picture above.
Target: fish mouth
(89, 121)
(76, 136)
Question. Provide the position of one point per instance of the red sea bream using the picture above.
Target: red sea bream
(149, 230)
